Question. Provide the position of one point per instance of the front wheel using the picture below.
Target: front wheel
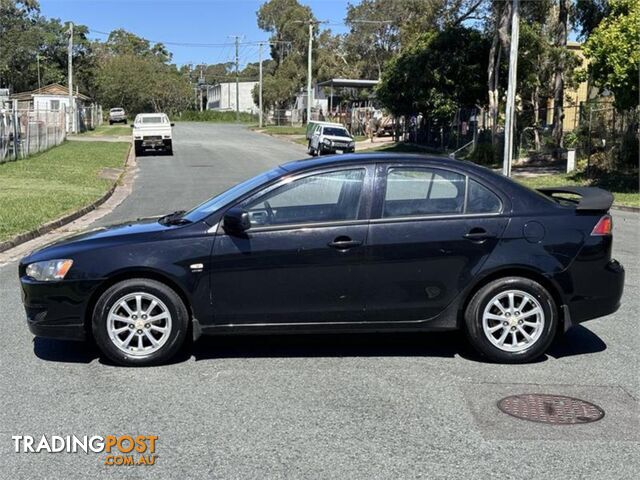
(140, 322)
(511, 320)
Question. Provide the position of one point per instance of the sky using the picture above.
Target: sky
(186, 21)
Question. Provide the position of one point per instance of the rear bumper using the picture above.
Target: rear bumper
(598, 293)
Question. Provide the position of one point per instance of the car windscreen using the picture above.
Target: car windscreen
(116, 110)
(151, 120)
(336, 132)
(205, 209)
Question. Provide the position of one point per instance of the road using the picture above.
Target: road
(344, 407)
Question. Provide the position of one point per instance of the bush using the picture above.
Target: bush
(216, 116)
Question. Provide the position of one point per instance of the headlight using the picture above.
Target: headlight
(352, 143)
(49, 271)
(326, 141)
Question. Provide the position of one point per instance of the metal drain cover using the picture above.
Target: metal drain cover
(554, 409)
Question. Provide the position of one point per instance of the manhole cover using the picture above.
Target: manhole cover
(555, 409)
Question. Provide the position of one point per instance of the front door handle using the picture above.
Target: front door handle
(344, 243)
(478, 235)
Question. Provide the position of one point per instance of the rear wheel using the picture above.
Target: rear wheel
(138, 148)
(511, 320)
(140, 322)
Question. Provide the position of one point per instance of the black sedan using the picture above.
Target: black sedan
(339, 244)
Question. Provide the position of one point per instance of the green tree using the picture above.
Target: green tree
(439, 72)
(613, 53)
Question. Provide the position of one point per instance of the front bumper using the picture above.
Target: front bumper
(336, 149)
(57, 309)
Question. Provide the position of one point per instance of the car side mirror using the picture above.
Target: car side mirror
(173, 124)
(236, 220)
(133, 126)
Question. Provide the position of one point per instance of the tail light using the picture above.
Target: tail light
(603, 227)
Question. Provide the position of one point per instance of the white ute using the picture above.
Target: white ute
(152, 130)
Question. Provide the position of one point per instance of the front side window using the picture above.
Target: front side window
(420, 191)
(324, 197)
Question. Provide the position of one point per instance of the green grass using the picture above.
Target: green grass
(54, 183)
(284, 130)
(215, 116)
(110, 130)
(624, 186)
(401, 148)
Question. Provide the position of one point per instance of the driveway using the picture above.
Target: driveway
(342, 406)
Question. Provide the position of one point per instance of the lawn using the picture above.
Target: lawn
(51, 184)
(110, 130)
(623, 186)
(282, 130)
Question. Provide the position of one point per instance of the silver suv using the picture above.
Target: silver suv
(117, 115)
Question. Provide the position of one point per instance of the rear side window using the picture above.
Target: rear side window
(481, 199)
(415, 192)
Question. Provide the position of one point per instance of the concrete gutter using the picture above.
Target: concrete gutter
(75, 222)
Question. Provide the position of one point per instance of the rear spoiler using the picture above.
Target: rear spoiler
(591, 198)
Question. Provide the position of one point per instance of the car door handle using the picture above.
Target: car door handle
(344, 243)
(478, 234)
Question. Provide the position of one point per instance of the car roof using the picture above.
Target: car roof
(150, 114)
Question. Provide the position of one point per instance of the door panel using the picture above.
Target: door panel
(290, 276)
(415, 269)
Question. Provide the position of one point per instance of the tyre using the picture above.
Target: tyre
(140, 322)
(110, 122)
(138, 148)
(511, 320)
(168, 147)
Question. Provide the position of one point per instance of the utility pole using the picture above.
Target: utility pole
(511, 90)
(38, 60)
(201, 84)
(260, 88)
(70, 79)
(309, 59)
(237, 83)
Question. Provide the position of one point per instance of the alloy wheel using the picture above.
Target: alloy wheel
(513, 320)
(139, 324)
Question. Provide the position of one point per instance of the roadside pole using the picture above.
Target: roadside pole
(260, 88)
(511, 90)
(237, 84)
(70, 75)
(309, 59)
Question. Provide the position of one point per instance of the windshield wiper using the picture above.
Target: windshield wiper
(174, 218)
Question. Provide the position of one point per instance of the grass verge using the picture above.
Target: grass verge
(54, 183)
(215, 116)
(110, 131)
(284, 130)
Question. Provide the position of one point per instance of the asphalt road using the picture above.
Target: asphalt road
(343, 407)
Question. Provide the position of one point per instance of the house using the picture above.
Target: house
(223, 97)
(50, 97)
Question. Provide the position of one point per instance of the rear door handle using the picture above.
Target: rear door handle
(344, 243)
(478, 234)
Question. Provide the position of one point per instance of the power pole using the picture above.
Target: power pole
(237, 83)
(70, 75)
(200, 85)
(309, 70)
(511, 90)
(260, 88)
(38, 60)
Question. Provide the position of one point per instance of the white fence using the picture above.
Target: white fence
(24, 132)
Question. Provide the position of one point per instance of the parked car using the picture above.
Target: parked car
(331, 139)
(312, 125)
(376, 242)
(117, 115)
(152, 131)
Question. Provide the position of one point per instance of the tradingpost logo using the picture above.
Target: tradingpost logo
(119, 449)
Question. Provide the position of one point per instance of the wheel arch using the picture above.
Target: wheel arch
(514, 271)
(128, 275)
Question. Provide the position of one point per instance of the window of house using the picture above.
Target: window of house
(54, 104)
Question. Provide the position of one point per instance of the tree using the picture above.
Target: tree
(560, 67)
(589, 14)
(613, 53)
(438, 73)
